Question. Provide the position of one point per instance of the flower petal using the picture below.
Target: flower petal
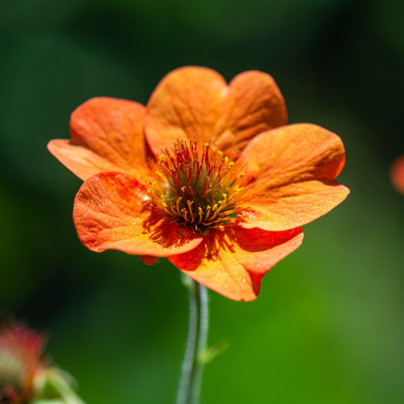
(254, 105)
(149, 259)
(81, 161)
(107, 135)
(294, 170)
(234, 261)
(195, 102)
(184, 105)
(397, 174)
(110, 212)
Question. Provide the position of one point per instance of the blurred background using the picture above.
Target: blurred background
(328, 325)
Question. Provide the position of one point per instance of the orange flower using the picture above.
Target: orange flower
(20, 362)
(397, 174)
(206, 174)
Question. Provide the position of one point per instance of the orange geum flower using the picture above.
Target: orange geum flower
(207, 175)
(397, 174)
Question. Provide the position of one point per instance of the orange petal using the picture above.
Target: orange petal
(185, 105)
(110, 212)
(293, 170)
(107, 135)
(254, 105)
(234, 261)
(149, 259)
(397, 174)
(195, 102)
(81, 161)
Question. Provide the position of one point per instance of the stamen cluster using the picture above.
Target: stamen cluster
(196, 188)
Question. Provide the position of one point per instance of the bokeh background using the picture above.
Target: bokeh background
(328, 325)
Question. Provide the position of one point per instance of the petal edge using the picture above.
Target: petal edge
(234, 262)
(293, 171)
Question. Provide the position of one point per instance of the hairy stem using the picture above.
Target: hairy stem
(192, 366)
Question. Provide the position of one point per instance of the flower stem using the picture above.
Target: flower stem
(192, 366)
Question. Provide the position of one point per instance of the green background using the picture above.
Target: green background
(328, 325)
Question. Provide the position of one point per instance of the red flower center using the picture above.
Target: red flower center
(196, 186)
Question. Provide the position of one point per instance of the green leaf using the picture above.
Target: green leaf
(212, 352)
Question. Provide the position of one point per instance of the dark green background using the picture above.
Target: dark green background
(328, 326)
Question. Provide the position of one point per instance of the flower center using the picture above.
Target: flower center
(196, 186)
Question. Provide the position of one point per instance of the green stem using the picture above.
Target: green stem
(192, 366)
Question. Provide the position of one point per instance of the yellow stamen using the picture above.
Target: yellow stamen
(178, 203)
(200, 214)
(185, 213)
(189, 203)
